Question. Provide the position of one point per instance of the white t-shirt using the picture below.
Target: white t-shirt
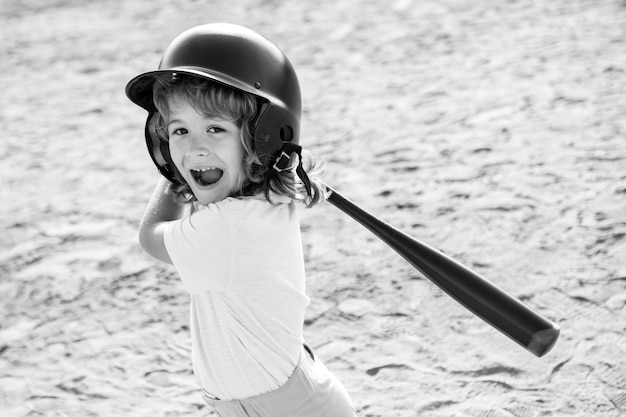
(241, 261)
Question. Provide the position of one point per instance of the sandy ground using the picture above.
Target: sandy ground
(492, 130)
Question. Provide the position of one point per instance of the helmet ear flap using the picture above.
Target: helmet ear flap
(159, 150)
(274, 127)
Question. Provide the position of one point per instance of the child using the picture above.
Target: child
(223, 129)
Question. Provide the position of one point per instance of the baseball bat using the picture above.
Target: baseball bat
(492, 304)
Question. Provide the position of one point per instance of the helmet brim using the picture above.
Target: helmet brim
(139, 89)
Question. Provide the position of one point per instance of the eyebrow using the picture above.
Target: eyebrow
(212, 119)
(171, 122)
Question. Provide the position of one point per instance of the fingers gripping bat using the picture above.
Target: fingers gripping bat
(504, 312)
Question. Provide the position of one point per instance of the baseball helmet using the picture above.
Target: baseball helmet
(240, 58)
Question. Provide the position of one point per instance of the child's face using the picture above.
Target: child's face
(207, 152)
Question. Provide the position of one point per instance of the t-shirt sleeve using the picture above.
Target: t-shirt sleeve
(200, 247)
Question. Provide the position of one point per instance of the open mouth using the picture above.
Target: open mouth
(206, 176)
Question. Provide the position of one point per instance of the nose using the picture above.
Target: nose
(198, 146)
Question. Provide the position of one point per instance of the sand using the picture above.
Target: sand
(491, 130)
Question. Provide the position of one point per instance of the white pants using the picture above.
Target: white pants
(311, 391)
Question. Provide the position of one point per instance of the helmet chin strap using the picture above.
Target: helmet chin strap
(282, 162)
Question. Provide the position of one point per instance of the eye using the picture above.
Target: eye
(178, 132)
(215, 129)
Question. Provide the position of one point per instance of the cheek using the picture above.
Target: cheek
(175, 152)
(238, 165)
(238, 155)
(175, 147)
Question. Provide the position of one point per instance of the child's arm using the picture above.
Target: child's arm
(162, 208)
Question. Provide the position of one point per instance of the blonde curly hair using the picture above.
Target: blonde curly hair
(214, 99)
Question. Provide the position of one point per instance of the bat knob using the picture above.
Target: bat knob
(541, 342)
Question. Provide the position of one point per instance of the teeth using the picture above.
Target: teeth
(206, 176)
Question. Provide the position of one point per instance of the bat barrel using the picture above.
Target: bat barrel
(503, 311)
